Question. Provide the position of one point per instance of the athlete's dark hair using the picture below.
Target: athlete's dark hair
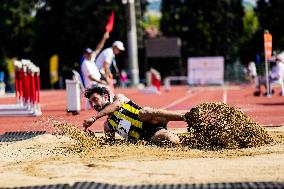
(96, 89)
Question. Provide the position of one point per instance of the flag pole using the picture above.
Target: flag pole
(266, 78)
(132, 43)
(267, 55)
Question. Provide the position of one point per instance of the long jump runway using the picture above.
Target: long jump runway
(268, 111)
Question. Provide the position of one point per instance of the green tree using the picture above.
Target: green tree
(37, 29)
(251, 24)
(248, 48)
(16, 23)
(213, 28)
(271, 17)
(151, 21)
(67, 27)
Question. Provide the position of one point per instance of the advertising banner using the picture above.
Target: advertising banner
(53, 69)
(206, 70)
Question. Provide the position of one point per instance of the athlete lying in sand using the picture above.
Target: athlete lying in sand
(130, 120)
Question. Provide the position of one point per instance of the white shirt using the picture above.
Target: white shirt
(106, 55)
(252, 69)
(277, 71)
(88, 67)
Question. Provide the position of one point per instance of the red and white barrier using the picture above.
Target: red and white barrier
(153, 81)
(27, 90)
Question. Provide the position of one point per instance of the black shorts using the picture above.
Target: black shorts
(148, 130)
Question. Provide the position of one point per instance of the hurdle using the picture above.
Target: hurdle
(27, 91)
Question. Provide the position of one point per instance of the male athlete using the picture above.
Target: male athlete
(130, 120)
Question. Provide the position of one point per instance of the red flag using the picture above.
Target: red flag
(110, 21)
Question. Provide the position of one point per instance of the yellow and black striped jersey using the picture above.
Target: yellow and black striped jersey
(126, 122)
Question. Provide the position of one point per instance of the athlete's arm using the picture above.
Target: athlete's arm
(108, 110)
(112, 107)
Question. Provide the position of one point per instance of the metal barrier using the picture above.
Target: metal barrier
(27, 91)
(167, 81)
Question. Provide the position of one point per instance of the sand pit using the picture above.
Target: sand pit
(50, 159)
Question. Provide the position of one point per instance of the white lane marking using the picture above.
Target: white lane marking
(225, 94)
(178, 101)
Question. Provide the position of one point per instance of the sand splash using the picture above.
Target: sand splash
(86, 141)
(218, 125)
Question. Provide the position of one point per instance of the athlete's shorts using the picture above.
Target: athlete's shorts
(148, 130)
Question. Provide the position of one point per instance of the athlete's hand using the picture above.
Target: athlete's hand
(90, 133)
(88, 122)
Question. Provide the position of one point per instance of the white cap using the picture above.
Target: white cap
(119, 45)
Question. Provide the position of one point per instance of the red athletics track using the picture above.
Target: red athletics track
(264, 110)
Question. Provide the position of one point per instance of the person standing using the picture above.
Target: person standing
(252, 74)
(107, 58)
(123, 79)
(277, 75)
(89, 70)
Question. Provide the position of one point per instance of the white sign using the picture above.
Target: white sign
(205, 70)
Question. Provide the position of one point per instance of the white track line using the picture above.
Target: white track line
(225, 95)
(178, 101)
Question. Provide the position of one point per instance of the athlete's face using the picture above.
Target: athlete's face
(98, 102)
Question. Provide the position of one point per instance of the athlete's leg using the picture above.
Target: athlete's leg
(164, 135)
(159, 115)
